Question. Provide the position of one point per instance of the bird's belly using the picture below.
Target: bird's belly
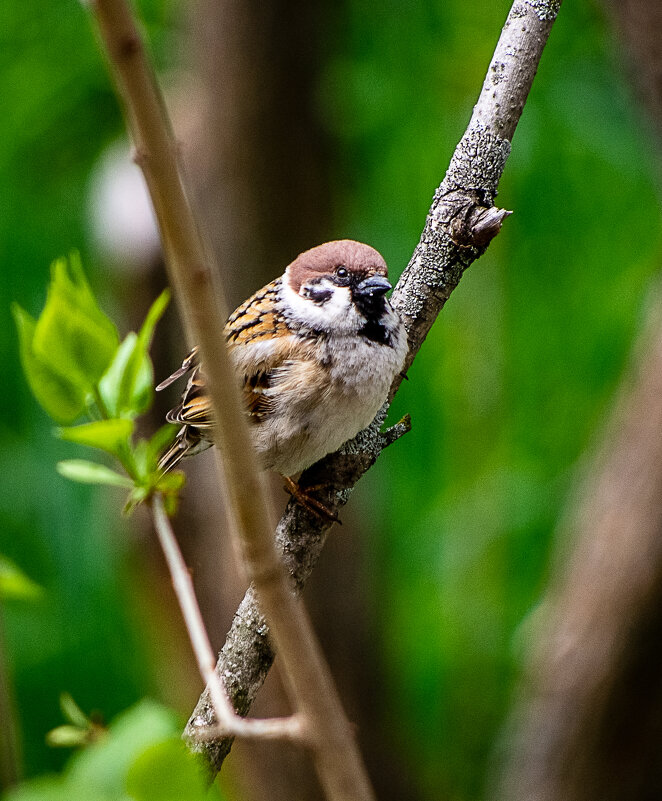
(318, 411)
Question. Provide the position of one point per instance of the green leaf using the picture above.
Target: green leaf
(143, 386)
(72, 712)
(137, 496)
(92, 473)
(126, 386)
(60, 397)
(67, 737)
(114, 385)
(65, 351)
(171, 481)
(15, 584)
(159, 441)
(112, 436)
(68, 278)
(167, 771)
(100, 771)
(45, 788)
(147, 452)
(170, 504)
(72, 333)
(154, 314)
(103, 767)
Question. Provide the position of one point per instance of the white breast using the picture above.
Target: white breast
(318, 408)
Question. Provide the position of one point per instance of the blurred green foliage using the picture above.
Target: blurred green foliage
(59, 112)
(15, 584)
(506, 395)
(141, 757)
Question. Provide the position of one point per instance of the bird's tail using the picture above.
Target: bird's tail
(188, 442)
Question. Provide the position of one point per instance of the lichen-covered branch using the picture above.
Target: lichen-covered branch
(458, 228)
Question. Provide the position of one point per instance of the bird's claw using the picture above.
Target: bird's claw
(306, 500)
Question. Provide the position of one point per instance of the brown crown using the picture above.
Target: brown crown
(324, 259)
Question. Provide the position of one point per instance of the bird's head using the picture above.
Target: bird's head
(338, 286)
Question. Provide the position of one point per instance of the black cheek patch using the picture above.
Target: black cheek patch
(318, 294)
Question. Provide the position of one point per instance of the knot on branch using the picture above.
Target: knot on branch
(479, 227)
(394, 432)
(471, 222)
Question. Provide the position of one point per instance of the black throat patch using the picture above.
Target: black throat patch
(376, 332)
(373, 309)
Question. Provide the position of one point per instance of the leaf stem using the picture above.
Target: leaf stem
(291, 728)
(10, 759)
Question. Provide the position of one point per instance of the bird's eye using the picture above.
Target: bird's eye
(342, 272)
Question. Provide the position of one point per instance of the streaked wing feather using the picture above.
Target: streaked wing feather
(188, 364)
(195, 408)
(257, 319)
(255, 322)
(256, 395)
(187, 443)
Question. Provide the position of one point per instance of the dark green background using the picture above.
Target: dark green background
(509, 390)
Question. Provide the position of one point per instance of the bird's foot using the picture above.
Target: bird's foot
(303, 497)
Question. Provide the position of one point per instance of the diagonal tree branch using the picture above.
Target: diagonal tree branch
(461, 223)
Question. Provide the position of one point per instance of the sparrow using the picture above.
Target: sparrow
(315, 351)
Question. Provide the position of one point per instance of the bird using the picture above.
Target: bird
(315, 352)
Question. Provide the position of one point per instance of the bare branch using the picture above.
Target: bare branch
(292, 728)
(309, 682)
(459, 225)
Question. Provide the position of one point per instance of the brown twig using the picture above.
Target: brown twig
(10, 752)
(457, 230)
(309, 683)
(231, 724)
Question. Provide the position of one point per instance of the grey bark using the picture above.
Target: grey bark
(458, 228)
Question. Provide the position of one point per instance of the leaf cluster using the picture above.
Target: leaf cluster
(139, 757)
(77, 367)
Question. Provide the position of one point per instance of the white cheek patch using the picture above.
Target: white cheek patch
(338, 313)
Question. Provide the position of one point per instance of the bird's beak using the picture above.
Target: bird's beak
(373, 287)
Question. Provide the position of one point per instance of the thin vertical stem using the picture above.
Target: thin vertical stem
(309, 682)
(10, 755)
(292, 727)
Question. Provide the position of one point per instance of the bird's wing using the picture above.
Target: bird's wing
(259, 341)
(188, 364)
(195, 407)
(257, 319)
